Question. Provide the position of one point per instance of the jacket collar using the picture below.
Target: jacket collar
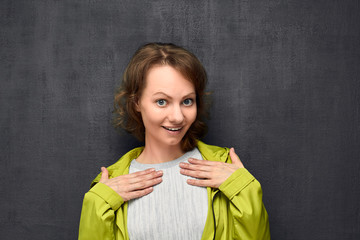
(213, 153)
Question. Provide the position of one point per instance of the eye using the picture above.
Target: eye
(161, 102)
(188, 102)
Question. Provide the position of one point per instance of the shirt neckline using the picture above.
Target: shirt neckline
(183, 158)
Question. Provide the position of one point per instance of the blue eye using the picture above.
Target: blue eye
(188, 102)
(161, 102)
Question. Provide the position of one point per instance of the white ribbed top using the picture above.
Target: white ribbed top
(174, 210)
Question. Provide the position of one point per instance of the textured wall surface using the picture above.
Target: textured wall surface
(285, 78)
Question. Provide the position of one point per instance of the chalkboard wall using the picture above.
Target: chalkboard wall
(285, 77)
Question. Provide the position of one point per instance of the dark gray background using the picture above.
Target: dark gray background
(285, 76)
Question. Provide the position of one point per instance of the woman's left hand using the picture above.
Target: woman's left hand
(210, 173)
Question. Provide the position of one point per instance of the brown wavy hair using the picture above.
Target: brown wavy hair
(134, 81)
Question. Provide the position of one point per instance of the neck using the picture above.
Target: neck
(155, 153)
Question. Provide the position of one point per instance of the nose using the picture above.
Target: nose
(176, 115)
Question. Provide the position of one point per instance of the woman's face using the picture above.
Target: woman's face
(167, 106)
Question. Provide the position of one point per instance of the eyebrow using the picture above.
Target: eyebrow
(187, 95)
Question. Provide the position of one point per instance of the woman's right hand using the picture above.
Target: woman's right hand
(132, 185)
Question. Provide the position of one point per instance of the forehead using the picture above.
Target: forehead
(167, 78)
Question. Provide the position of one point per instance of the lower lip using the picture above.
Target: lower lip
(173, 132)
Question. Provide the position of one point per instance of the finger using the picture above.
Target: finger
(200, 183)
(200, 162)
(104, 174)
(138, 193)
(140, 178)
(195, 174)
(195, 167)
(144, 184)
(235, 158)
(137, 176)
(143, 172)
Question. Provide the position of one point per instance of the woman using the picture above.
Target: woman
(175, 187)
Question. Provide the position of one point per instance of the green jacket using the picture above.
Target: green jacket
(236, 210)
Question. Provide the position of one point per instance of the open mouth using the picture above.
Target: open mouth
(173, 129)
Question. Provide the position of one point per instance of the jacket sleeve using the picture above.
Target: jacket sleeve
(98, 213)
(249, 215)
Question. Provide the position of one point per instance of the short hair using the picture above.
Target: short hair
(134, 82)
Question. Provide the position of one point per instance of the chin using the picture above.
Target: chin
(173, 142)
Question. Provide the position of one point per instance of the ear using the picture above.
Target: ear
(137, 104)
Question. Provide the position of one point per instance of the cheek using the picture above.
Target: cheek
(151, 115)
(192, 113)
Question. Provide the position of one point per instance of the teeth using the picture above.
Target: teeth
(173, 129)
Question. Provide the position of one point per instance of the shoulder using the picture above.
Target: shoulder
(121, 166)
(213, 153)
